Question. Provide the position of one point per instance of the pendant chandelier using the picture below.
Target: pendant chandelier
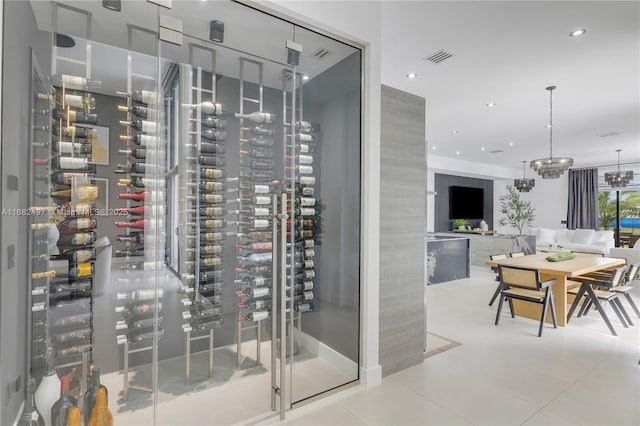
(551, 167)
(524, 184)
(619, 179)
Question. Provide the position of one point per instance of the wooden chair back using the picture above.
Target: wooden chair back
(633, 273)
(517, 254)
(511, 276)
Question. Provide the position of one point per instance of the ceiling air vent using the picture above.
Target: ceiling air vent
(438, 56)
(321, 53)
(496, 151)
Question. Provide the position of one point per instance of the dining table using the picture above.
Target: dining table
(561, 272)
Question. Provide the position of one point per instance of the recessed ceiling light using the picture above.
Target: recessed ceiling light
(510, 143)
(548, 126)
(453, 132)
(305, 77)
(491, 104)
(412, 75)
(115, 5)
(482, 148)
(578, 33)
(433, 148)
(457, 152)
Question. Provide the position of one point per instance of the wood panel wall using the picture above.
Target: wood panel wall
(402, 230)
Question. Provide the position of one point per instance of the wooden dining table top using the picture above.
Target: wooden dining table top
(583, 263)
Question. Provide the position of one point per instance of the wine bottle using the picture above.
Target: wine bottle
(72, 147)
(302, 159)
(307, 127)
(258, 176)
(211, 108)
(142, 335)
(212, 236)
(210, 160)
(213, 211)
(92, 392)
(77, 239)
(79, 256)
(100, 415)
(260, 189)
(260, 130)
(256, 304)
(257, 236)
(213, 223)
(213, 198)
(140, 309)
(77, 349)
(257, 269)
(257, 281)
(214, 135)
(304, 148)
(150, 196)
(48, 391)
(139, 238)
(73, 132)
(85, 193)
(305, 211)
(258, 211)
(211, 261)
(257, 223)
(139, 168)
(75, 320)
(74, 418)
(258, 117)
(150, 210)
(303, 169)
(304, 307)
(75, 388)
(81, 333)
(213, 122)
(266, 143)
(212, 173)
(304, 296)
(258, 153)
(74, 82)
(212, 186)
(148, 141)
(66, 163)
(140, 223)
(142, 125)
(66, 178)
(305, 201)
(304, 180)
(141, 182)
(135, 252)
(257, 258)
(140, 294)
(211, 276)
(306, 190)
(144, 154)
(74, 116)
(77, 223)
(82, 270)
(61, 407)
(303, 137)
(84, 101)
(143, 266)
(305, 223)
(211, 249)
(260, 165)
(30, 415)
(144, 96)
(45, 274)
(257, 316)
(214, 148)
(257, 292)
(304, 286)
(140, 111)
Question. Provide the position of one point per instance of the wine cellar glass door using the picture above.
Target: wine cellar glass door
(225, 125)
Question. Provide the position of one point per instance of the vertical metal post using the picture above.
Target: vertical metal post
(274, 298)
(292, 279)
(187, 359)
(211, 352)
(283, 303)
(125, 387)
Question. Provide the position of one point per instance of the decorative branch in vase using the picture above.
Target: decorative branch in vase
(516, 212)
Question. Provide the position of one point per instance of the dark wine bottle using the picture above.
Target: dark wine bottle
(62, 406)
(210, 160)
(140, 111)
(142, 125)
(74, 116)
(151, 196)
(144, 96)
(64, 147)
(77, 239)
(92, 392)
(77, 224)
(214, 122)
(260, 130)
(148, 141)
(30, 415)
(214, 148)
(213, 135)
(258, 153)
(265, 143)
(258, 117)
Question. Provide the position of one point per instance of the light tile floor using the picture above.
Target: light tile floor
(579, 374)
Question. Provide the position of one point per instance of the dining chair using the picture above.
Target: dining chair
(596, 289)
(524, 284)
(625, 288)
(516, 254)
(495, 269)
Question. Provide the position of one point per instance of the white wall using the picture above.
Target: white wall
(360, 22)
(548, 197)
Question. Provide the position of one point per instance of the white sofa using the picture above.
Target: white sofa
(580, 240)
(632, 255)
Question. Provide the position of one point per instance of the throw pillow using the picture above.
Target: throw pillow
(602, 237)
(545, 237)
(583, 236)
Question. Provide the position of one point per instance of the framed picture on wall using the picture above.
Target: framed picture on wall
(100, 147)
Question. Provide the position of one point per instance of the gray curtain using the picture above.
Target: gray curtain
(582, 210)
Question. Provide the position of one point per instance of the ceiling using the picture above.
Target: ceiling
(508, 52)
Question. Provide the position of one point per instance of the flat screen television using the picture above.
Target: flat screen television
(466, 202)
